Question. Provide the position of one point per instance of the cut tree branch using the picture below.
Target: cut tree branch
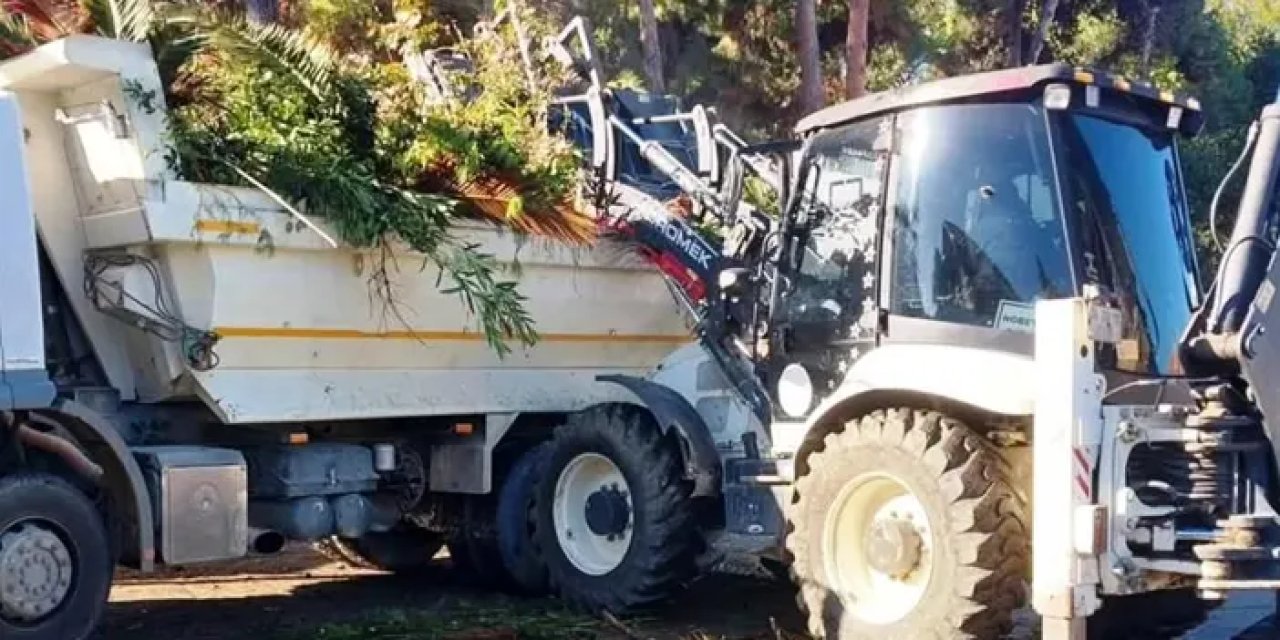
(1047, 11)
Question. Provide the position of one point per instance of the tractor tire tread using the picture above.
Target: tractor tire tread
(989, 520)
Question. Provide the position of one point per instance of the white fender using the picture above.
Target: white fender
(995, 381)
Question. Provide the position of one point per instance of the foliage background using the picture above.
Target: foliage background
(740, 55)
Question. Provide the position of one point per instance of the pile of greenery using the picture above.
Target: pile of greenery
(328, 117)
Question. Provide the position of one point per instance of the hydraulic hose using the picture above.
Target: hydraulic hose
(1222, 186)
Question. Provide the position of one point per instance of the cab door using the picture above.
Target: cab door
(826, 312)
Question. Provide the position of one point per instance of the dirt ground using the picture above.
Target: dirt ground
(264, 598)
(298, 591)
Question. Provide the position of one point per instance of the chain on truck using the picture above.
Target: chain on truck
(967, 364)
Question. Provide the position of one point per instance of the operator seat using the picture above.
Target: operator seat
(1017, 252)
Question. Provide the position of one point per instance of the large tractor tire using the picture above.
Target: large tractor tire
(613, 517)
(55, 567)
(1149, 616)
(404, 551)
(905, 526)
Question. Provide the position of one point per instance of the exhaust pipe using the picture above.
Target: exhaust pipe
(265, 542)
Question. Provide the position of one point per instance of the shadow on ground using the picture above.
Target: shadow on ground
(289, 595)
(264, 599)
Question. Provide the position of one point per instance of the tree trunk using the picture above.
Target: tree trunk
(1149, 37)
(855, 44)
(812, 96)
(1015, 33)
(1047, 10)
(652, 47)
(262, 11)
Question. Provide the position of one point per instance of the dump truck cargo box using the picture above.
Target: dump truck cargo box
(303, 333)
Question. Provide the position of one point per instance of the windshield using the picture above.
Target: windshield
(978, 237)
(1124, 185)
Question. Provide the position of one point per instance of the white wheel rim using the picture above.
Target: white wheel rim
(586, 474)
(36, 571)
(872, 595)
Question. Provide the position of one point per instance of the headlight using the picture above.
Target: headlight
(795, 391)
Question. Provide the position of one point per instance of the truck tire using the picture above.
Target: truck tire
(1149, 616)
(524, 564)
(54, 550)
(906, 526)
(612, 513)
(404, 551)
(477, 561)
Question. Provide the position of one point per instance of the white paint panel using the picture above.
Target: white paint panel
(996, 381)
(284, 396)
(58, 221)
(1068, 416)
(21, 324)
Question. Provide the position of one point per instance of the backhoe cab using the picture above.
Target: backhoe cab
(941, 214)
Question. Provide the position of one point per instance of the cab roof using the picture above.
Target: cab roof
(991, 84)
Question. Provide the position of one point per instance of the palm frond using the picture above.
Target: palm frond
(136, 19)
(103, 15)
(498, 200)
(309, 61)
(15, 36)
(48, 19)
(121, 19)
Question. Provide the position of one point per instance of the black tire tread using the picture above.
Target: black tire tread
(990, 520)
(53, 497)
(477, 561)
(525, 567)
(666, 560)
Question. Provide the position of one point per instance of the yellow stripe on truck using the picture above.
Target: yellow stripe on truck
(228, 227)
(468, 336)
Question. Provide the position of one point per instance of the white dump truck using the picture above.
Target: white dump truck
(980, 295)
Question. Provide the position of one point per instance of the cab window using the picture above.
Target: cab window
(978, 235)
(833, 293)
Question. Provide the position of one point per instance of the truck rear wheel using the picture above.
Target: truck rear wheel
(906, 526)
(55, 569)
(612, 512)
(477, 561)
(405, 551)
(514, 522)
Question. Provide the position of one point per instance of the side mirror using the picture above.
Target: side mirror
(733, 280)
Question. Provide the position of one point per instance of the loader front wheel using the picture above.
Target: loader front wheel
(906, 526)
(612, 512)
